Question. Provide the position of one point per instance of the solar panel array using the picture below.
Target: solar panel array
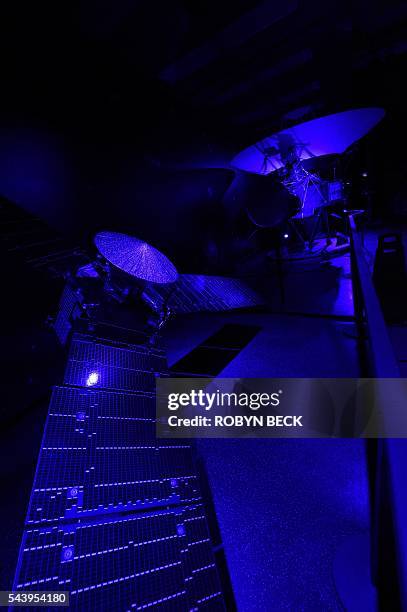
(200, 293)
(116, 516)
(35, 244)
(68, 304)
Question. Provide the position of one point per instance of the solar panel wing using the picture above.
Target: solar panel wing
(116, 516)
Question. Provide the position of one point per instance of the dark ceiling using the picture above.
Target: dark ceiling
(247, 66)
(135, 84)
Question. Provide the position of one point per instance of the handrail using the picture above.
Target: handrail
(391, 457)
(384, 361)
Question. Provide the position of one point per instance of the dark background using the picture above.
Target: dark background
(124, 115)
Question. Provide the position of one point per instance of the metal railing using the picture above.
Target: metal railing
(388, 457)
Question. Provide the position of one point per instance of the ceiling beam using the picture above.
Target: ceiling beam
(234, 35)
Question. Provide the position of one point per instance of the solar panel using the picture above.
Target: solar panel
(111, 564)
(100, 453)
(69, 302)
(35, 243)
(93, 363)
(202, 576)
(200, 293)
(116, 516)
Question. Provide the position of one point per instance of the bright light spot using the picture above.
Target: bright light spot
(92, 379)
(285, 236)
(364, 174)
(181, 530)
